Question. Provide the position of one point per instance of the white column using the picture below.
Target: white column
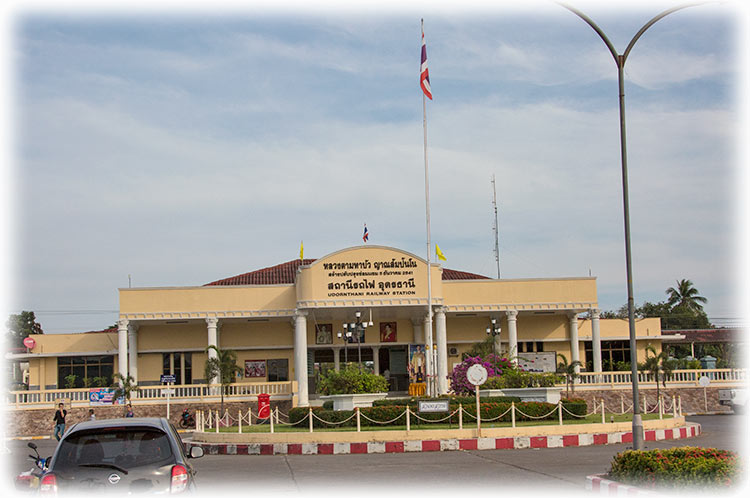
(122, 347)
(337, 359)
(300, 356)
(427, 352)
(574, 339)
(133, 351)
(213, 340)
(376, 360)
(596, 340)
(418, 330)
(441, 336)
(512, 335)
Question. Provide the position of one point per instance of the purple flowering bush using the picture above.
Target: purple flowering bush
(494, 364)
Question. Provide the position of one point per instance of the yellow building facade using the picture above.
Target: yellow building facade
(290, 322)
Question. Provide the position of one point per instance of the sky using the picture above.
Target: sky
(160, 147)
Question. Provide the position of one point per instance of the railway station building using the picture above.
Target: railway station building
(284, 323)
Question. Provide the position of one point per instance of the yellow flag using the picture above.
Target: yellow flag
(439, 253)
(301, 250)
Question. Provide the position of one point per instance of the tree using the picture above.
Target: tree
(224, 367)
(685, 296)
(659, 365)
(569, 371)
(20, 326)
(124, 385)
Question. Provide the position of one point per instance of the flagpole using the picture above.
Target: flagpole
(430, 364)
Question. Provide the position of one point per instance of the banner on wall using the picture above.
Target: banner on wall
(104, 396)
(417, 363)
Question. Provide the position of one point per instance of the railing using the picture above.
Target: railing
(717, 376)
(212, 421)
(145, 394)
(247, 391)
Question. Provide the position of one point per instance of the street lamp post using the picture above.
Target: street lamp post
(356, 329)
(345, 336)
(620, 62)
(494, 330)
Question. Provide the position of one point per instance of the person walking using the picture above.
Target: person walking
(60, 421)
(130, 413)
(92, 416)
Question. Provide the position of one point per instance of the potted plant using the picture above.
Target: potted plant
(349, 388)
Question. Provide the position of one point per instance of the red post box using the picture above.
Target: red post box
(264, 406)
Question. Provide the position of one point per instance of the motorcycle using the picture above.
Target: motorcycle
(187, 420)
(29, 480)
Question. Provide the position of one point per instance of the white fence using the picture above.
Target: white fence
(678, 378)
(21, 400)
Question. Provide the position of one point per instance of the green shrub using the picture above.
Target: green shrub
(350, 380)
(328, 405)
(676, 468)
(454, 400)
(512, 379)
(70, 381)
(101, 382)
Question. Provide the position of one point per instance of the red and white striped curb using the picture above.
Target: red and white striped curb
(502, 443)
(598, 484)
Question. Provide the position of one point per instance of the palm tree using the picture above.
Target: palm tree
(124, 385)
(224, 367)
(685, 296)
(569, 371)
(659, 365)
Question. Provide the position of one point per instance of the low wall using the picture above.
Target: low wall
(40, 422)
(692, 398)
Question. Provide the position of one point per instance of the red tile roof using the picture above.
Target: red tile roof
(285, 272)
(708, 335)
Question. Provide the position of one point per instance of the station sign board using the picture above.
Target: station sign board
(434, 406)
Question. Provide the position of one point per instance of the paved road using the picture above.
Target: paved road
(559, 470)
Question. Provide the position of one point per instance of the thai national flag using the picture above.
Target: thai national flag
(424, 74)
(365, 236)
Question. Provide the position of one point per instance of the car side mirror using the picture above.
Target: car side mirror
(196, 452)
(32, 446)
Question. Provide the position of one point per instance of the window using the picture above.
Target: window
(121, 446)
(180, 365)
(613, 352)
(529, 347)
(539, 347)
(278, 370)
(85, 367)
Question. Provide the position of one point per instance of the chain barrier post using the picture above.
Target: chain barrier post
(661, 407)
(645, 405)
(460, 416)
(559, 410)
(674, 408)
(622, 405)
(604, 417)
(408, 419)
(358, 427)
(309, 414)
(679, 401)
(217, 421)
(239, 421)
(271, 417)
(513, 414)
(249, 416)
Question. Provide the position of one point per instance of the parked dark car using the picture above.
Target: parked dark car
(123, 455)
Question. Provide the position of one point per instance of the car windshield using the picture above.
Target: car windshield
(122, 447)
